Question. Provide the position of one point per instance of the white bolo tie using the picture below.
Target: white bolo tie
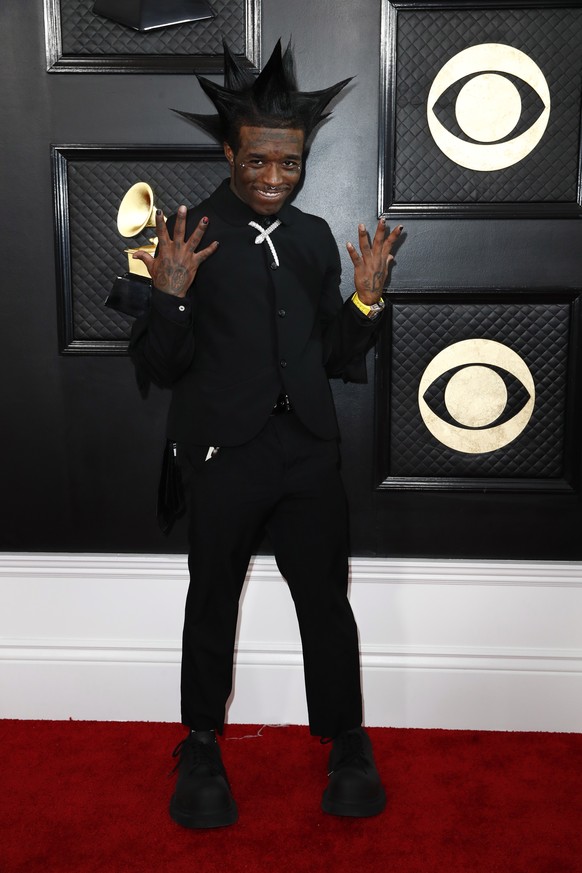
(265, 236)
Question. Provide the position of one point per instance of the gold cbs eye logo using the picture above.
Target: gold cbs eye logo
(476, 396)
(492, 80)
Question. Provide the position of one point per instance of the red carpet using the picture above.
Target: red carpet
(91, 797)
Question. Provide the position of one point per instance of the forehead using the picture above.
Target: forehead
(271, 140)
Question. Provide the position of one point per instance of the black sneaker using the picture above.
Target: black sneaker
(202, 798)
(354, 786)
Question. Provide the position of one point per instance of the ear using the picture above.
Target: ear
(228, 153)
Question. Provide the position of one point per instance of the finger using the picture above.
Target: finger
(380, 235)
(383, 272)
(382, 242)
(194, 239)
(364, 239)
(353, 253)
(161, 229)
(387, 270)
(180, 225)
(391, 240)
(392, 237)
(145, 257)
(209, 250)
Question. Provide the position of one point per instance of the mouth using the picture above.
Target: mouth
(270, 193)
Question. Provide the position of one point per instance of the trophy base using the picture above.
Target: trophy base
(130, 295)
(148, 14)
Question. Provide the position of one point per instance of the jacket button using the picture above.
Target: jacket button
(283, 363)
(274, 266)
(281, 313)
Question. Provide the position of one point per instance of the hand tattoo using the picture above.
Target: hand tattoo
(172, 279)
(376, 285)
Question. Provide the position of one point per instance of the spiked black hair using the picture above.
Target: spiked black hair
(272, 99)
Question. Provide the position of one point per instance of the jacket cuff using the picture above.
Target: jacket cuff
(176, 309)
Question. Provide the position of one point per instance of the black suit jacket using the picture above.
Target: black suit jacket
(248, 329)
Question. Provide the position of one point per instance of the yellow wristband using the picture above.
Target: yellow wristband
(361, 306)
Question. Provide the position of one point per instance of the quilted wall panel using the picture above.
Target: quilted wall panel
(539, 332)
(425, 40)
(84, 33)
(95, 190)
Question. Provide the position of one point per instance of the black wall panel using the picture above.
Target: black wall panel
(81, 450)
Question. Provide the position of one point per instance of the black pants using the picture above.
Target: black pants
(284, 481)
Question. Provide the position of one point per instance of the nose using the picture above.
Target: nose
(272, 174)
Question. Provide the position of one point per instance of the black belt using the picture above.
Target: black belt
(282, 405)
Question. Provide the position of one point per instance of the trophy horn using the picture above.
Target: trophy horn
(130, 293)
(136, 210)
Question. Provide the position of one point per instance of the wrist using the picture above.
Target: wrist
(366, 298)
(170, 292)
(370, 310)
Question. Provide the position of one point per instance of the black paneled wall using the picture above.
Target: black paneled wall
(81, 449)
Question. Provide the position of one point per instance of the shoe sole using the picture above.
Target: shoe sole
(212, 820)
(355, 810)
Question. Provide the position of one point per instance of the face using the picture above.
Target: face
(266, 167)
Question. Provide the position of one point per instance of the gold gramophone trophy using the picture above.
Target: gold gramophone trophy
(131, 292)
(136, 212)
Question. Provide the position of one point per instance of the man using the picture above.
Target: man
(246, 325)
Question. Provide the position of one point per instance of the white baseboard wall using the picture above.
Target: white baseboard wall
(445, 644)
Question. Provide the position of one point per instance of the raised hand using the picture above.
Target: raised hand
(372, 265)
(177, 260)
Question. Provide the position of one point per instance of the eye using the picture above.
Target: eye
(488, 107)
(506, 107)
(476, 396)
